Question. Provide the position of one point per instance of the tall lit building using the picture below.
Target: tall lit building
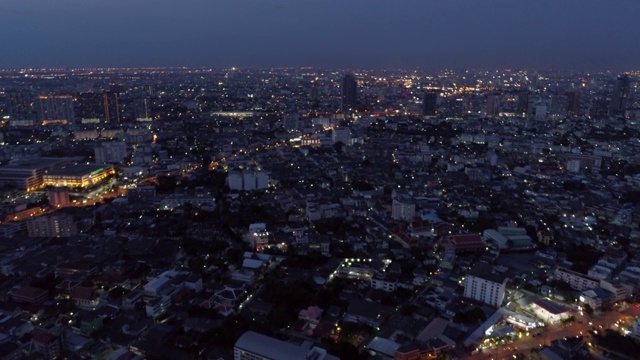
(55, 108)
(620, 95)
(349, 93)
(430, 103)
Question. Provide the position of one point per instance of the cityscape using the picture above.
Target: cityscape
(310, 197)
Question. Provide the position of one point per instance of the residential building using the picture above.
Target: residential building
(56, 225)
(483, 284)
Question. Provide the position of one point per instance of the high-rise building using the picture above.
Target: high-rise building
(99, 107)
(620, 95)
(524, 104)
(111, 108)
(493, 105)
(55, 108)
(21, 108)
(484, 285)
(430, 103)
(349, 93)
(90, 108)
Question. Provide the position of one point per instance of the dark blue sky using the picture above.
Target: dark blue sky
(431, 34)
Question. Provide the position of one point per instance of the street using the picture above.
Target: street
(580, 327)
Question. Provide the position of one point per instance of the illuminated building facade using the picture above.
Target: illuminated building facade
(82, 176)
(27, 175)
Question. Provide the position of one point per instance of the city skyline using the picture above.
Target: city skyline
(581, 35)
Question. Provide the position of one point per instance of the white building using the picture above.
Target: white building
(483, 285)
(387, 284)
(576, 280)
(248, 180)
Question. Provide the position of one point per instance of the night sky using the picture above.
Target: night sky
(430, 34)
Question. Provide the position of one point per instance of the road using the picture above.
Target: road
(581, 327)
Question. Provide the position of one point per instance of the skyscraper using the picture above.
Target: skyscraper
(620, 95)
(430, 103)
(349, 93)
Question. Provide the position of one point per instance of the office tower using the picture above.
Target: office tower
(493, 105)
(620, 95)
(20, 107)
(349, 93)
(55, 108)
(430, 103)
(524, 105)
